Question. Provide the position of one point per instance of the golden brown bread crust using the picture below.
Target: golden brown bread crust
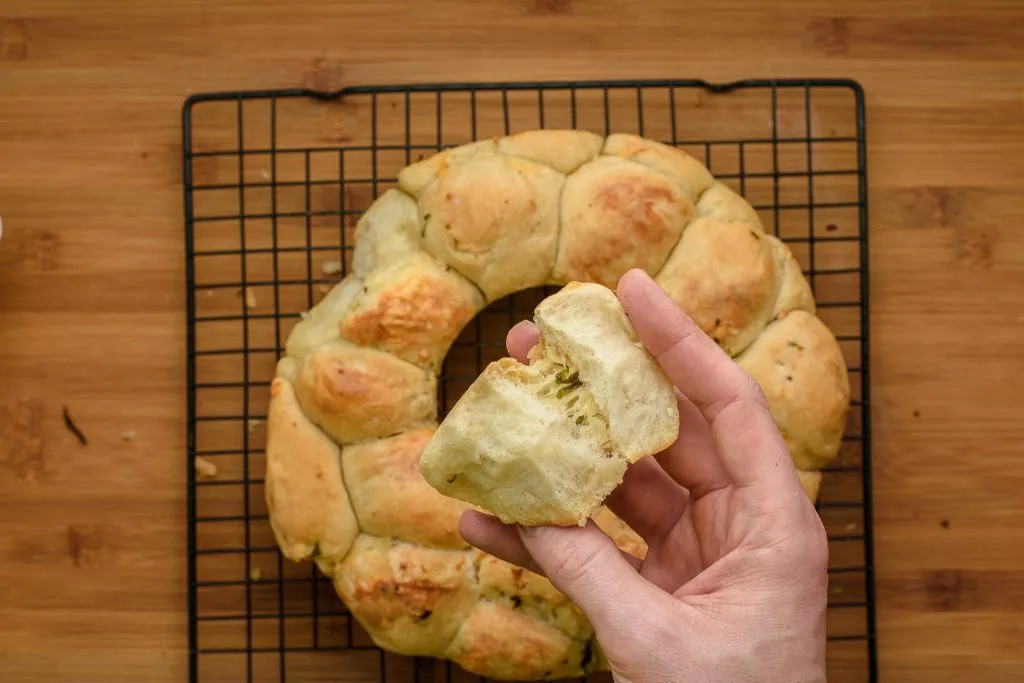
(320, 324)
(413, 179)
(723, 275)
(495, 220)
(390, 497)
(413, 309)
(801, 370)
(531, 594)
(409, 598)
(624, 537)
(794, 292)
(308, 505)
(617, 215)
(729, 275)
(491, 210)
(498, 641)
(720, 203)
(363, 365)
(356, 393)
(387, 233)
(688, 174)
(562, 150)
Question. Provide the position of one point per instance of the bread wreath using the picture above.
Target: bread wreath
(353, 402)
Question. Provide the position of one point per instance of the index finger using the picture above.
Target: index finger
(748, 440)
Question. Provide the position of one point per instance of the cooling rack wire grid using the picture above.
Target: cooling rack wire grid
(274, 183)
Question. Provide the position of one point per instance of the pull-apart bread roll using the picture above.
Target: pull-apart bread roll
(626, 209)
(729, 275)
(801, 370)
(490, 210)
(545, 443)
(354, 393)
(309, 508)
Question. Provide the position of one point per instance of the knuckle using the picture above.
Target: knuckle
(810, 554)
(571, 565)
(674, 341)
(751, 390)
(742, 390)
(800, 546)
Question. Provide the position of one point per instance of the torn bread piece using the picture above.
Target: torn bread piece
(545, 443)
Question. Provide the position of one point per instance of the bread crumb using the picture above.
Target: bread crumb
(205, 468)
(851, 527)
(304, 315)
(254, 423)
(250, 298)
(265, 174)
(128, 435)
(331, 267)
(255, 574)
(324, 289)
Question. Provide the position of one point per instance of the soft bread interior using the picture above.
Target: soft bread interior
(527, 444)
(585, 328)
(546, 443)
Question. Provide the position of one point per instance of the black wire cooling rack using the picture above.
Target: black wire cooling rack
(274, 184)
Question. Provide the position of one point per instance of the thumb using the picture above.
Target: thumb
(587, 566)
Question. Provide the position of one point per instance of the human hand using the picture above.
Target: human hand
(734, 583)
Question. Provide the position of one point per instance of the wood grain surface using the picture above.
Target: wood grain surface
(92, 537)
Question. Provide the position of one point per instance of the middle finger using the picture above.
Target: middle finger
(648, 500)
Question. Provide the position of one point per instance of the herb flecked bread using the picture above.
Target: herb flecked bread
(353, 404)
(545, 443)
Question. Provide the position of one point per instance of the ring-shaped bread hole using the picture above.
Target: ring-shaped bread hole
(482, 341)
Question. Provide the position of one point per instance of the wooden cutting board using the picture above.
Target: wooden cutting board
(92, 537)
